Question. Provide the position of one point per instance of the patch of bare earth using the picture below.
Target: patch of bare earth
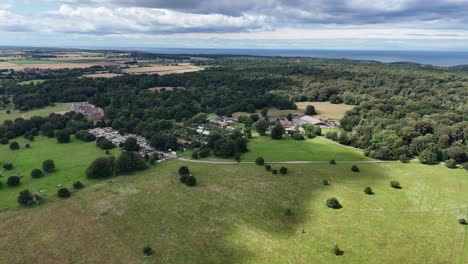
(163, 70)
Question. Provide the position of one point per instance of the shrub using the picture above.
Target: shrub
(190, 181)
(259, 161)
(337, 251)
(78, 185)
(325, 182)
(451, 164)
(298, 136)
(195, 154)
(333, 203)
(283, 170)
(395, 185)
(104, 143)
(184, 170)
(274, 171)
(368, 190)
(27, 198)
(8, 166)
(63, 136)
(428, 156)
(4, 141)
(183, 177)
(277, 131)
(462, 221)
(14, 145)
(333, 135)
(85, 136)
(10, 134)
(48, 166)
(148, 251)
(404, 159)
(204, 152)
(63, 192)
(28, 145)
(288, 212)
(355, 168)
(310, 110)
(333, 162)
(465, 165)
(36, 173)
(13, 181)
(268, 167)
(101, 168)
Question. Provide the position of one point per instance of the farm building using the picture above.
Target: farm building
(312, 121)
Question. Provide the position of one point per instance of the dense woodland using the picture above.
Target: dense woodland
(402, 110)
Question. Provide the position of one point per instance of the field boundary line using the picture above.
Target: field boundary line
(288, 161)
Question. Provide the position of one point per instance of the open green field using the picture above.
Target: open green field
(316, 149)
(71, 160)
(237, 215)
(58, 107)
(30, 61)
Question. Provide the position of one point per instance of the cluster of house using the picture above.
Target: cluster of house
(116, 138)
(91, 111)
(201, 130)
(224, 122)
(296, 123)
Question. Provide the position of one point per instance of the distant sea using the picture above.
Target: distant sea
(438, 58)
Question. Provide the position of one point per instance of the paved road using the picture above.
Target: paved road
(287, 162)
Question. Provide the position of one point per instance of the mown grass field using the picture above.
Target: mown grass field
(237, 215)
(71, 160)
(316, 149)
(30, 61)
(58, 107)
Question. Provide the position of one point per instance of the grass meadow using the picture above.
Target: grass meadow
(237, 214)
(58, 107)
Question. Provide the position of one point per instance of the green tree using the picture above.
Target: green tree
(14, 145)
(63, 192)
(48, 166)
(131, 144)
(428, 156)
(261, 126)
(101, 168)
(277, 131)
(36, 173)
(310, 110)
(130, 161)
(63, 136)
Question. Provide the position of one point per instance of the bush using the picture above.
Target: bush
(325, 182)
(14, 145)
(78, 185)
(310, 110)
(104, 143)
(355, 168)
(333, 203)
(428, 156)
(36, 173)
(148, 251)
(63, 192)
(101, 168)
(267, 167)
(465, 165)
(184, 170)
(337, 251)
(8, 166)
(130, 161)
(277, 131)
(332, 162)
(48, 166)
(333, 135)
(27, 198)
(190, 181)
(462, 221)
(283, 170)
(404, 159)
(27, 145)
(451, 164)
(4, 141)
(204, 152)
(274, 172)
(368, 190)
(298, 136)
(395, 185)
(195, 154)
(259, 161)
(13, 181)
(85, 136)
(63, 136)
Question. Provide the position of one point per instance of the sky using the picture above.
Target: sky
(440, 25)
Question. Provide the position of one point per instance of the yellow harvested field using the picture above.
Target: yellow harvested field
(8, 65)
(101, 75)
(52, 66)
(325, 110)
(163, 70)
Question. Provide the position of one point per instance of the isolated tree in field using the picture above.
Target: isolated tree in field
(268, 167)
(325, 182)
(14, 145)
(101, 168)
(78, 185)
(184, 170)
(131, 144)
(148, 251)
(13, 181)
(274, 172)
(63, 192)
(451, 164)
(130, 161)
(190, 181)
(333, 203)
(4, 141)
(333, 162)
(8, 166)
(368, 190)
(395, 185)
(310, 110)
(355, 168)
(259, 161)
(36, 173)
(48, 166)
(277, 131)
(462, 221)
(27, 198)
(63, 136)
(337, 251)
(283, 170)
(261, 126)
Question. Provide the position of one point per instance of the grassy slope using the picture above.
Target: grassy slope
(289, 149)
(71, 160)
(38, 112)
(236, 215)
